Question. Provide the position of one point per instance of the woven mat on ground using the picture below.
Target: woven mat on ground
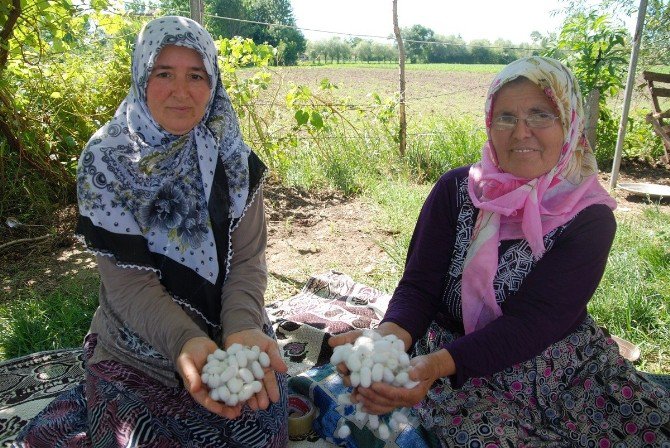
(328, 303)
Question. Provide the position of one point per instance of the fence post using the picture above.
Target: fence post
(401, 61)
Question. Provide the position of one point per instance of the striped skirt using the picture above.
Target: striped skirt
(119, 406)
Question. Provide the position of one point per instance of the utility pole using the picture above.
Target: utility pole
(197, 10)
(401, 61)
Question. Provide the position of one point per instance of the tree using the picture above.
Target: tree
(363, 51)
(415, 42)
(655, 49)
(278, 12)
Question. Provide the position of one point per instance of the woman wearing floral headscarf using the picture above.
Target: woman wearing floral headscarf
(170, 201)
(507, 253)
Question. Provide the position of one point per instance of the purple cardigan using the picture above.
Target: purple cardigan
(549, 304)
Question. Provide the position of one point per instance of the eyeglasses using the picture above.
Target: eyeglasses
(540, 120)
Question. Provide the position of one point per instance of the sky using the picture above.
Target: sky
(512, 20)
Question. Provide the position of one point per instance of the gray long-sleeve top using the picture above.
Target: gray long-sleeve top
(549, 304)
(136, 300)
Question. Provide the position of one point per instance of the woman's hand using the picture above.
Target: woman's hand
(381, 398)
(191, 360)
(270, 391)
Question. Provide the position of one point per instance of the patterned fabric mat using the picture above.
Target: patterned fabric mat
(328, 303)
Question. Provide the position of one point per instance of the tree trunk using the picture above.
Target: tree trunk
(401, 62)
(7, 31)
(592, 111)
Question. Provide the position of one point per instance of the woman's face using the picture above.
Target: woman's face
(523, 151)
(178, 89)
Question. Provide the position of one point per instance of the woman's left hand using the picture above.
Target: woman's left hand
(381, 398)
(270, 391)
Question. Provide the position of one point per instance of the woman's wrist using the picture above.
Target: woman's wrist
(444, 363)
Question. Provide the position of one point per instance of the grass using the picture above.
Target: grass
(36, 321)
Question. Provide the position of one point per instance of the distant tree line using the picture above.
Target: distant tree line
(422, 45)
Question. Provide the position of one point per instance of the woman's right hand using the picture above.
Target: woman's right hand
(191, 360)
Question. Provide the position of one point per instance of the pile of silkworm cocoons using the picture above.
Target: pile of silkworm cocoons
(374, 358)
(234, 375)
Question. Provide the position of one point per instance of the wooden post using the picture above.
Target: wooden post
(401, 61)
(197, 10)
(616, 163)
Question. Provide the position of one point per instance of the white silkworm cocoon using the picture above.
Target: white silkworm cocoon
(235, 385)
(233, 400)
(393, 424)
(234, 348)
(246, 375)
(399, 417)
(403, 359)
(377, 373)
(392, 363)
(355, 379)
(410, 384)
(384, 432)
(211, 358)
(343, 399)
(256, 386)
(224, 393)
(205, 377)
(241, 358)
(353, 362)
(402, 378)
(253, 353)
(398, 345)
(388, 375)
(257, 370)
(380, 357)
(264, 359)
(219, 354)
(228, 374)
(214, 381)
(246, 392)
(366, 377)
(214, 394)
(361, 416)
(343, 432)
(373, 421)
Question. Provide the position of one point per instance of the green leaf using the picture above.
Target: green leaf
(301, 117)
(316, 120)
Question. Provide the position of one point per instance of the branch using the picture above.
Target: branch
(24, 240)
(7, 31)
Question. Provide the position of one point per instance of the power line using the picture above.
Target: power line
(341, 33)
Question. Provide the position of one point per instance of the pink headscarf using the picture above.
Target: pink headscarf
(512, 207)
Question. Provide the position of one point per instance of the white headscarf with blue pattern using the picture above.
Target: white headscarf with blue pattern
(135, 178)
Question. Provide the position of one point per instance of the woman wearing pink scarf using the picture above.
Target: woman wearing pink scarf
(493, 301)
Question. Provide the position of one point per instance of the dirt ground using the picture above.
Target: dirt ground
(308, 233)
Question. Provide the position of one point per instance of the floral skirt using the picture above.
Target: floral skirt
(579, 392)
(119, 406)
